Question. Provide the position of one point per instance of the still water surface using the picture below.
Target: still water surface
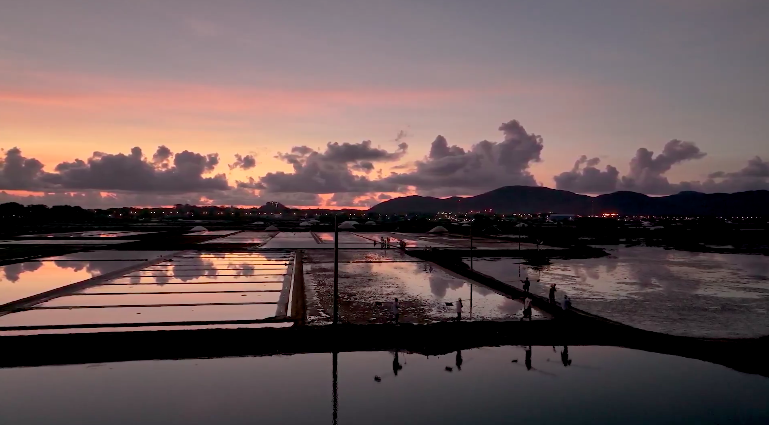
(590, 385)
(669, 291)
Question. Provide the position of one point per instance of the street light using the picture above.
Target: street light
(336, 271)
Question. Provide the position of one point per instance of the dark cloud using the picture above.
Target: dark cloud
(358, 200)
(384, 197)
(332, 170)
(133, 173)
(250, 184)
(95, 199)
(363, 166)
(402, 134)
(18, 172)
(646, 175)
(354, 152)
(487, 165)
(245, 162)
(584, 177)
(647, 172)
(162, 156)
(754, 176)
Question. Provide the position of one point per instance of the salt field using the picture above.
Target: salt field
(22, 280)
(669, 291)
(426, 293)
(256, 238)
(194, 290)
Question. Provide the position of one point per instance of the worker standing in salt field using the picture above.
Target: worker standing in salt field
(526, 284)
(527, 309)
(459, 309)
(396, 313)
(552, 294)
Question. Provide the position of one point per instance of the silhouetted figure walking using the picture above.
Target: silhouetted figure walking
(459, 309)
(459, 360)
(526, 284)
(552, 294)
(565, 356)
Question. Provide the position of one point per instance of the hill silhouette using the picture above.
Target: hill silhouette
(533, 199)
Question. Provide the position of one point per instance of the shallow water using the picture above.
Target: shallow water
(23, 280)
(676, 292)
(425, 293)
(243, 238)
(600, 385)
(196, 288)
(89, 234)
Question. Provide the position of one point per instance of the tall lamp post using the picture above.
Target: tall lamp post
(336, 271)
(471, 246)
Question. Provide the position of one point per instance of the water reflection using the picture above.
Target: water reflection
(12, 272)
(631, 387)
(424, 296)
(440, 284)
(684, 293)
(22, 280)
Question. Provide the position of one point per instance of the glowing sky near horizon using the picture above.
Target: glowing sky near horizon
(597, 77)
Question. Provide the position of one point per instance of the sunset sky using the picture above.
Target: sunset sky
(341, 102)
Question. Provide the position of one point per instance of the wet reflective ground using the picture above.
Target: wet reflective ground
(550, 385)
(189, 287)
(256, 238)
(22, 280)
(676, 292)
(426, 294)
(88, 234)
(426, 240)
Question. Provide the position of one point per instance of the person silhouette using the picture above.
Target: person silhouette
(526, 284)
(552, 294)
(565, 356)
(396, 363)
(526, 309)
(396, 311)
(528, 358)
(459, 360)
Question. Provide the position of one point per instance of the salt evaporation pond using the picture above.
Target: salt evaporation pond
(675, 292)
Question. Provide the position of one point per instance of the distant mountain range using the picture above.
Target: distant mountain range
(530, 199)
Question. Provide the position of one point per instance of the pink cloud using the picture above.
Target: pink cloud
(87, 93)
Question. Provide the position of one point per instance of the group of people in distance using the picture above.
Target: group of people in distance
(384, 242)
(395, 306)
(551, 296)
